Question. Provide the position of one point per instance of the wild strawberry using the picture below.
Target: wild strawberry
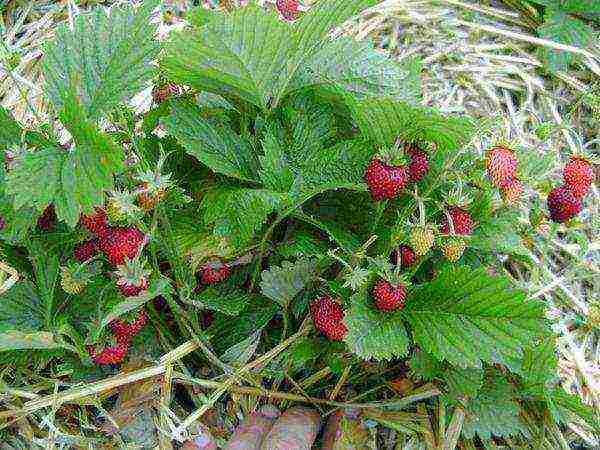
(562, 204)
(385, 181)
(74, 277)
(153, 187)
(501, 164)
(48, 219)
(121, 243)
(419, 163)
(328, 317)
(453, 248)
(578, 175)
(96, 222)
(86, 250)
(404, 256)
(511, 191)
(112, 354)
(212, 275)
(461, 220)
(132, 278)
(422, 239)
(166, 91)
(124, 328)
(121, 209)
(387, 296)
(288, 9)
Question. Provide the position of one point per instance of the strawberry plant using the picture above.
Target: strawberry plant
(281, 179)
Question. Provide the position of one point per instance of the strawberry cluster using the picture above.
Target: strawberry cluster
(502, 164)
(564, 202)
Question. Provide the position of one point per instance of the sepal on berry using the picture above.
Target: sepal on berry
(132, 277)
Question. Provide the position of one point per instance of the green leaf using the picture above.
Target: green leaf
(229, 303)
(248, 54)
(21, 308)
(564, 406)
(540, 363)
(494, 412)
(463, 383)
(213, 143)
(238, 213)
(424, 366)
(283, 283)
(466, 316)
(276, 174)
(589, 8)
(496, 233)
(335, 231)
(383, 120)
(74, 180)
(358, 68)
(19, 340)
(10, 130)
(374, 334)
(564, 29)
(46, 267)
(104, 60)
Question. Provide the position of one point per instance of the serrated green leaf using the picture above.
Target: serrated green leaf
(424, 366)
(466, 316)
(276, 174)
(17, 223)
(229, 303)
(282, 283)
(10, 130)
(19, 340)
(383, 120)
(540, 363)
(73, 180)
(349, 241)
(248, 54)
(21, 308)
(358, 68)
(214, 143)
(374, 334)
(104, 60)
(563, 406)
(46, 267)
(238, 213)
(497, 233)
(494, 412)
(564, 29)
(462, 383)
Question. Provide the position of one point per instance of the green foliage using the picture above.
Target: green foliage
(467, 317)
(282, 284)
(21, 308)
(10, 130)
(103, 60)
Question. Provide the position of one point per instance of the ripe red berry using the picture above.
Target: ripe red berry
(385, 181)
(212, 275)
(578, 175)
(48, 219)
(461, 219)
(562, 204)
(419, 163)
(112, 354)
(119, 243)
(96, 222)
(123, 328)
(512, 191)
(501, 165)
(289, 9)
(328, 317)
(86, 250)
(388, 297)
(131, 290)
(165, 92)
(404, 255)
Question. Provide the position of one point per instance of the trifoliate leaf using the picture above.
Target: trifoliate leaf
(238, 213)
(466, 316)
(374, 334)
(564, 29)
(104, 60)
(213, 142)
(283, 283)
(494, 412)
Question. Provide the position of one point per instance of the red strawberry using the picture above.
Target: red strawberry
(512, 191)
(97, 222)
(501, 165)
(165, 92)
(562, 204)
(461, 219)
(387, 296)
(419, 163)
(328, 317)
(123, 328)
(112, 354)
(212, 275)
(578, 175)
(289, 9)
(131, 290)
(403, 255)
(120, 243)
(47, 219)
(86, 250)
(385, 181)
